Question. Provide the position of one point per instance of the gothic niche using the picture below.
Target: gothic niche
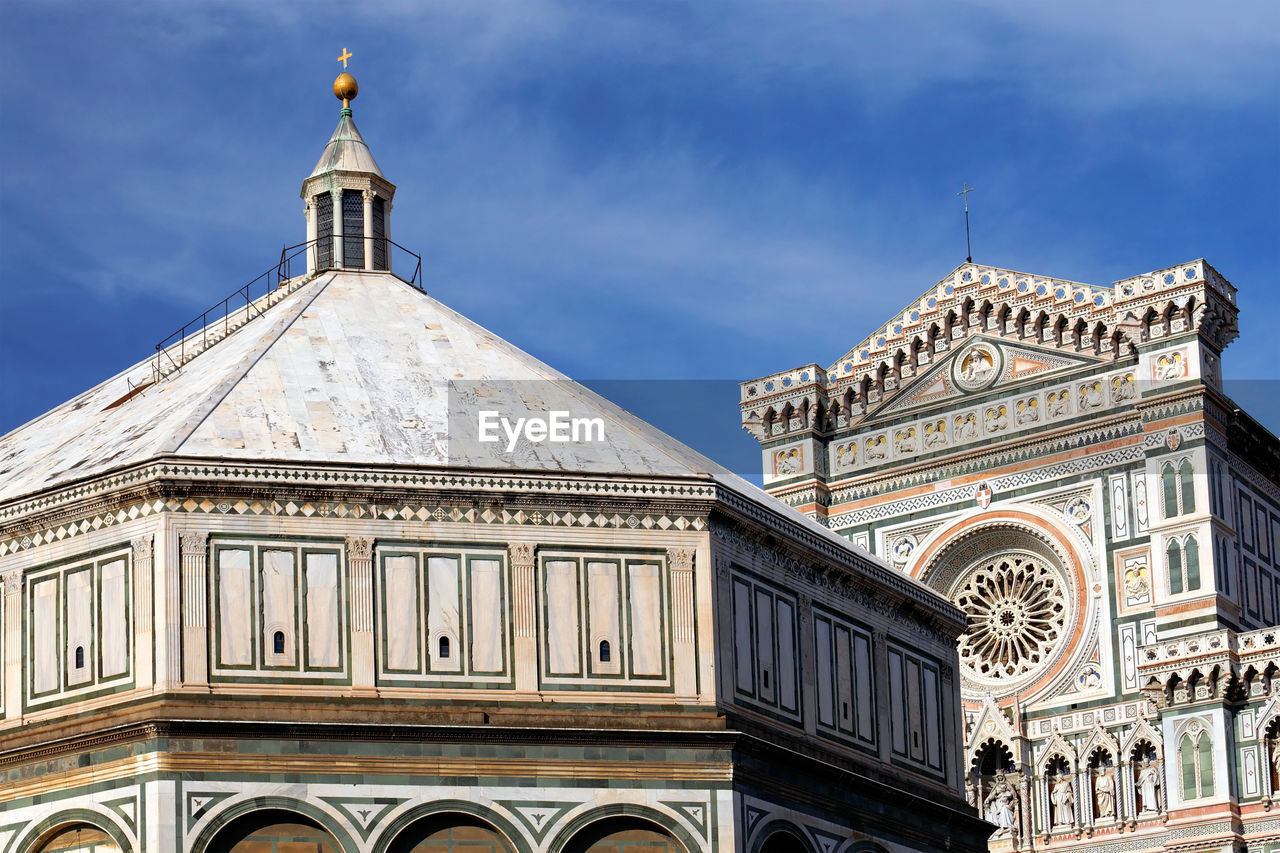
(1102, 780)
(1273, 755)
(1062, 795)
(992, 787)
(1145, 762)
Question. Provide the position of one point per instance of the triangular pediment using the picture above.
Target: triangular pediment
(979, 365)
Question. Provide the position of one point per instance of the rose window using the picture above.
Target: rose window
(1017, 609)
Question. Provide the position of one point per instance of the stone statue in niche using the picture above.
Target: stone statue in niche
(1104, 793)
(1148, 784)
(1275, 762)
(1064, 800)
(999, 804)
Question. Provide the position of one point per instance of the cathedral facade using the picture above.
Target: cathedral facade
(285, 586)
(1060, 460)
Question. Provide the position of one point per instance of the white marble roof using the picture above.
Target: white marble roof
(346, 151)
(354, 368)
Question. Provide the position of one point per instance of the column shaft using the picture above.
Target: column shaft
(523, 578)
(363, 651)
(195, 633)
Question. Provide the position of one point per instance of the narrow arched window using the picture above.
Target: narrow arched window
(606, 652)
(1174, 554)
(1191, 561)
(1169, 480)
(277, 643)
(444, 648)
(1204, 757)
(1187, 756)
(324, 230)
(79, 657)
(1188, 486)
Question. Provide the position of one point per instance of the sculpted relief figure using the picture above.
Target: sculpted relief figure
(875, 447)
(966, 427)
(935, 434)
(1028, 411)
(1059, 403)
(1148, 783)
(906, 440)
(787, 462)
(997, 418)
(999, 804)
(1064, 801)
(1122, 388)
(1170, 366)
(1104, 793)
(1091, 396)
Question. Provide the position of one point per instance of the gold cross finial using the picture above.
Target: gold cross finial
(965, 193)
(345, 56)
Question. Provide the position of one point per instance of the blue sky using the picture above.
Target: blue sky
(633, 191)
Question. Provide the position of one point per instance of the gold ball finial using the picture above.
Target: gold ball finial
(345, 88)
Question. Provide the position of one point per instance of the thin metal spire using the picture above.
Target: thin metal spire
(965, 194)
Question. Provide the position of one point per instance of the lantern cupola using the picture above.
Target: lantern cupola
(348, 201)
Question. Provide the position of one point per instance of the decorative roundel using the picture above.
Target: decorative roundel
(976, 368)
(903, 547)
(1017, 606)
(1078, 510)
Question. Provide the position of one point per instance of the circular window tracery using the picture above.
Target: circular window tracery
(1017, 606)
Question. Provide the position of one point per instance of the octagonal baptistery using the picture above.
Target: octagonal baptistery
(273, 590)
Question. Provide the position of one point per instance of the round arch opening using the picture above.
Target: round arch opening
(273, 831)
(79, 838)
(623, 835)
(783, 841)
(450, 832)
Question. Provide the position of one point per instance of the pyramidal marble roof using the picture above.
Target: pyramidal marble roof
(346, 151)
(352, 367)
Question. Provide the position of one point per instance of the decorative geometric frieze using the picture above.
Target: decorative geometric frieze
(538, 816)
(364, 813)
(199, 804)
(694, 812)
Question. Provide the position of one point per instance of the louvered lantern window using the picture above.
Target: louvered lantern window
(324, 231)
(379, 234)
(353, 229)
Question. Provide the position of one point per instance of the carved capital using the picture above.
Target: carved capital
(521, 553)
(879, 636)
(193, 543)
(11, 580)
(359, 548)
(681, 559)
(368, 196)
(142, 547)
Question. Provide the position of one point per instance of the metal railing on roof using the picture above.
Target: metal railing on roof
(220, 320)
